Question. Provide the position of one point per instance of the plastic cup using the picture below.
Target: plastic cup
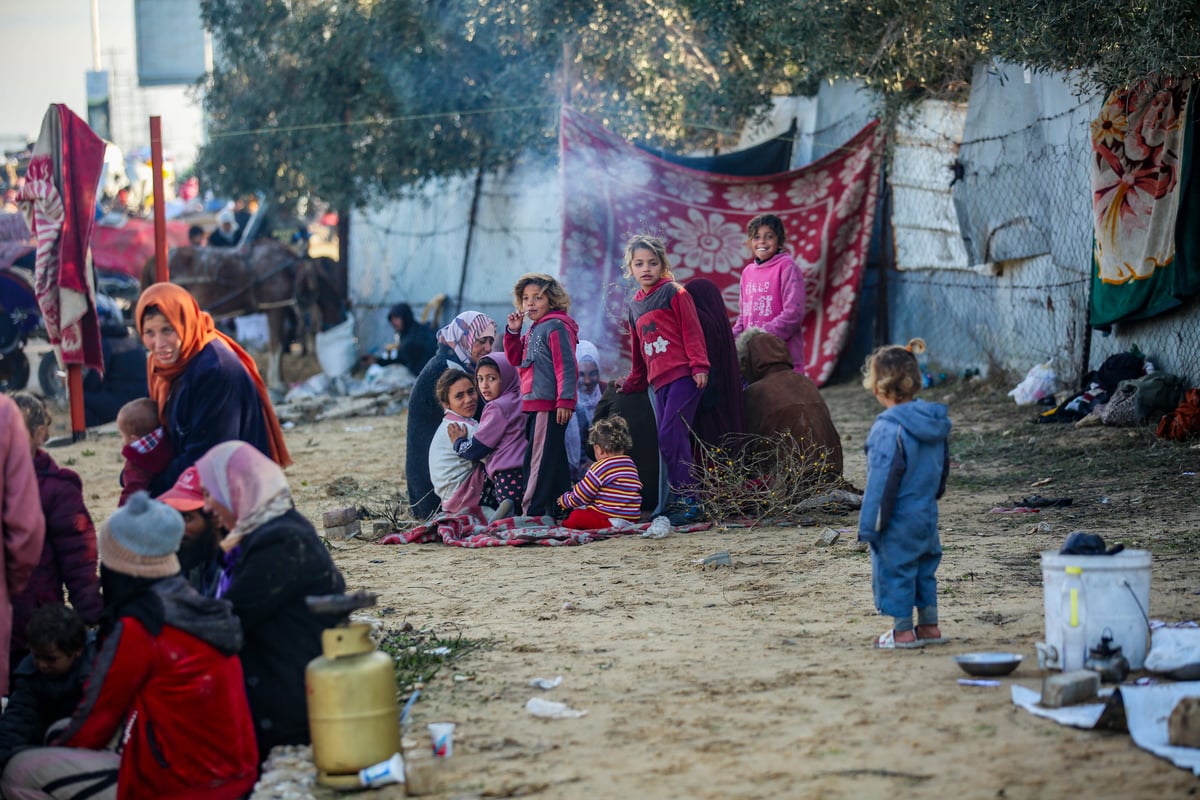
(383, 773)
(441, 734)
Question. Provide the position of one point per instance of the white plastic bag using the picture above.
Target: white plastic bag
(549, 709)
(337, 349)
(1039, 382)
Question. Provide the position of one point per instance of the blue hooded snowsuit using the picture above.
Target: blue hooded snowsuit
(907, 462)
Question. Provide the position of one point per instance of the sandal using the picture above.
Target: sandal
(928, 640)
(887, 641)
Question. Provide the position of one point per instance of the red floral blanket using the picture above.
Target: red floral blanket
(612, 190)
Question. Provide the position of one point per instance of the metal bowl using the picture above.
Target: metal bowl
(988, 664)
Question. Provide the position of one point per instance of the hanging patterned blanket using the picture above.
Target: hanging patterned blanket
(612, 190)
(59, 203)
(1145, 202)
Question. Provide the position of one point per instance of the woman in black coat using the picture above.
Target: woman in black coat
(273, 560)
(469, 337)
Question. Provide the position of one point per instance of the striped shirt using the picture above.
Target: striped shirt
(611, 487)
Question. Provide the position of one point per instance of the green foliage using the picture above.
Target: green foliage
(358, 101)
(1111, 44)
(420, 655)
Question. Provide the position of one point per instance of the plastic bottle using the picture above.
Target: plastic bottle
(1074, 617)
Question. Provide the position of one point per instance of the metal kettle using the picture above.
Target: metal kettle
(1106, 660)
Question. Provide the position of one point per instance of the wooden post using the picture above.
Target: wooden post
(161, 270)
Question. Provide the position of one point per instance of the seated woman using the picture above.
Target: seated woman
(778, 399)
(273, 559)
(207, 387)
(468, 338)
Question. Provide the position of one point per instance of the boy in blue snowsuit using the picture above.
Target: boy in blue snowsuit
(907, 464)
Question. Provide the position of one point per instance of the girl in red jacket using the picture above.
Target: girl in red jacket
(668, 353)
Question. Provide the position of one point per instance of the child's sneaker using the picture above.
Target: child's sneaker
(686, 511)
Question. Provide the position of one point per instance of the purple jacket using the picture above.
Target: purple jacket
(69, 555)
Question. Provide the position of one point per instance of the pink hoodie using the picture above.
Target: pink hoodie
(773, 298)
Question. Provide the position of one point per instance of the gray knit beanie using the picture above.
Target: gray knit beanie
(141, 538)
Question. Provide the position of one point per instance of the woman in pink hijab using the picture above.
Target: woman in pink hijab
(273, 559)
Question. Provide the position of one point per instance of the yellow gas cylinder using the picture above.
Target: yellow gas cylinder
(352, 713)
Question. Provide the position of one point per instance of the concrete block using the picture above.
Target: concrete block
(381, 527)
(339, 516)
(827, 537)
(1070, 688)
(343, 531)
(1183, 726)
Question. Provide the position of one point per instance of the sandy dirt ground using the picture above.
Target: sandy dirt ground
(759, 680)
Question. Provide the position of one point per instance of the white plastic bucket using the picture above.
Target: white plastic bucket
(1116, 595)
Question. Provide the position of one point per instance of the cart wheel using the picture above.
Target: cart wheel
(14, 371)
(48, 377)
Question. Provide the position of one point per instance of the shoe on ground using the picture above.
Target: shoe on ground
(686, 512)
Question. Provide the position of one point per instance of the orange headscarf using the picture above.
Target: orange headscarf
(196, 330)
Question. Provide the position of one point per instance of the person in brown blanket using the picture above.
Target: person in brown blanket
(778, 399)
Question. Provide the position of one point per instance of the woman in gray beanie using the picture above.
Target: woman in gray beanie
(168, 666)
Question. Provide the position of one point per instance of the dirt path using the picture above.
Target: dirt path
(758, 681)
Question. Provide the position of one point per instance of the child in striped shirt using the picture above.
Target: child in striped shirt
(611, 488)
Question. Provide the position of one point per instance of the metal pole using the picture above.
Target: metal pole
(96, 35)
(162, 272)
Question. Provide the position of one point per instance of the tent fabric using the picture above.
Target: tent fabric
(1014, 223)
(1144, 195)
(768, 158)
(612, 190)
(59, 203)
(126, 248)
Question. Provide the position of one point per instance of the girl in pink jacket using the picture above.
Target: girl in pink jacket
(772, 290)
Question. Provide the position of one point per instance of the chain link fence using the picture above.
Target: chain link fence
(989, 257)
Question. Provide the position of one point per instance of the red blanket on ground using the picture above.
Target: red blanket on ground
(612, 190)
(468, 531)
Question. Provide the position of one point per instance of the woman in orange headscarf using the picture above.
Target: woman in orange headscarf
(207, 387)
